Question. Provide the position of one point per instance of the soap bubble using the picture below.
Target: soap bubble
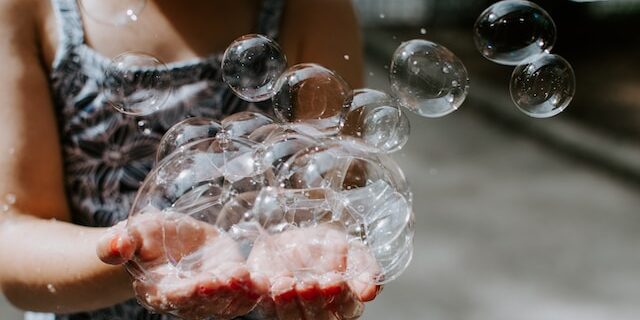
(251, 65)
(277, 149)
(113, 12)
(513, 32)
(293, 191)
(375, 118)
(428, 79)
(195, 185)
(184, 132)
(242, 124)
(312, 94)
(543, 88)
(134, 84)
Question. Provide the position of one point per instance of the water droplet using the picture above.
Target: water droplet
(382, 16)
(10, 198)
(423, 31)
(346, 57)
(51, 288)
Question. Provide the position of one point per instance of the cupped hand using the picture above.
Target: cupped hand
(182, 266)
(305, 270)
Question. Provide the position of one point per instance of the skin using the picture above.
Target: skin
(49, 264)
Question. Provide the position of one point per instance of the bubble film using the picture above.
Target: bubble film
(184, 132)
(312, 94)
(375, 118)
(543, 88)
(513, 32)
(243, 124)
(113, 12)
(251, 65)
(428, 79)
(134, 84)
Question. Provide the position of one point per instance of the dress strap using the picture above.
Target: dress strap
(70, 29)
(270, 18)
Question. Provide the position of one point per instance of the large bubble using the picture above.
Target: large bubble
(375, 118)
(184, 132)
(243, 124)
(251, 65)
(513, 32)
(135, 83)
(543, 88)
(312, 94)
(428, 79)
(113, 12)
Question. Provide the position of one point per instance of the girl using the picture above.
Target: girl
(70, 164)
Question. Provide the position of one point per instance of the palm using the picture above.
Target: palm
(188, 268)
(304, 272)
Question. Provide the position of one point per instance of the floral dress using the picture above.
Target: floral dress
(107, 154)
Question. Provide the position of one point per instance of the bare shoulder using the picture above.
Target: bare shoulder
(324, 32)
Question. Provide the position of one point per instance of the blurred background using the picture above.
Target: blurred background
(518, 218)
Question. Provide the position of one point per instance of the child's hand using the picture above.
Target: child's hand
(320, 291)
(217, 284)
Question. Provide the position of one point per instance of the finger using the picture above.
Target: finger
(312, 301)
(347, 305)
(365, 271)
(285, 298)
(116, 246)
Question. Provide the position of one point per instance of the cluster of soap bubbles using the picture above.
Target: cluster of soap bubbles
(252, 176)
(522, 34)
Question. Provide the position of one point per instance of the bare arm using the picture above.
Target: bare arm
(47, 265)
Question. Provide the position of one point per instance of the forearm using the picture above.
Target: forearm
(51, 266)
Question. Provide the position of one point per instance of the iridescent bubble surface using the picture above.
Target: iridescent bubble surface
(113, 12)
(375, 118)
(543, 88)
(135, 83)
(428, 79)
(251, 65)
(312, 94)
(513, 32)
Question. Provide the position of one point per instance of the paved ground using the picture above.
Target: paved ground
(508, 229)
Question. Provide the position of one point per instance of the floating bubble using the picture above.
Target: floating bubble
(428, 79)
(513, 32)
(113, 12)
(375, 118)
(543, 88)
(185, 132)
(251, 65)
(312, 94)
(134, 84)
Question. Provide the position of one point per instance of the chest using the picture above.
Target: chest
(170, 30)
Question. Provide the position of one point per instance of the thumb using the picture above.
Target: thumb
(116, 246)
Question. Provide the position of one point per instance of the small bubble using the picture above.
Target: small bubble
(51, 288)
(346, 57)
(10, 198)
(371, 74)
(423, 31)
(382, 16)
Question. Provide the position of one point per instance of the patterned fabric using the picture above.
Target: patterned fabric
(107, 154)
